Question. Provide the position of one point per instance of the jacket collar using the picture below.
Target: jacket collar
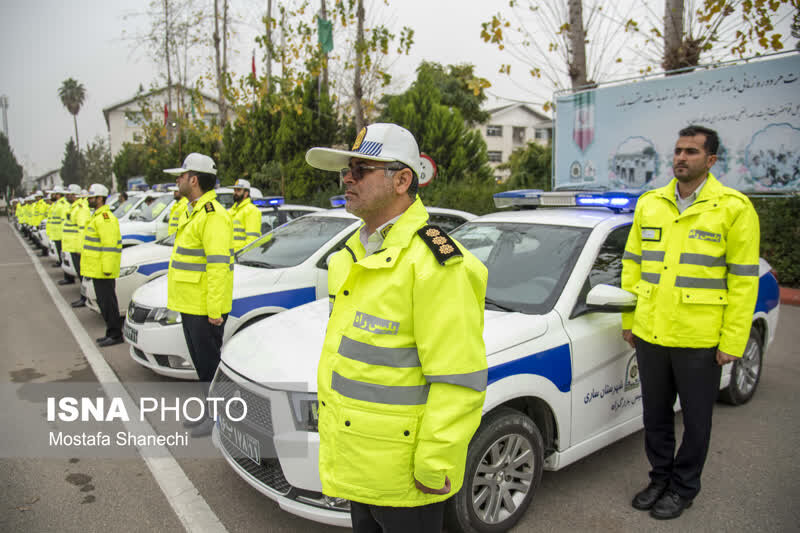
(398, 237)
(239, 205)
(102, 209)
(712, 189)
(203, 200)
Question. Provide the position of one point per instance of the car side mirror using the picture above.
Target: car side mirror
(609, 299)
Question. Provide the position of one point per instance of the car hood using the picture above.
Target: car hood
(136, 227)
(145, 253)
(154, 292)
(282, 352)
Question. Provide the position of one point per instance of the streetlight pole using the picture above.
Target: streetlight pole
(4, 105)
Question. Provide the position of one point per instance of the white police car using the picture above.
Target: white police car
(142, 263)
(281, 270)
(562, 383)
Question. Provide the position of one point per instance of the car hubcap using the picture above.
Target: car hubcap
(748, 369)
(503, 479)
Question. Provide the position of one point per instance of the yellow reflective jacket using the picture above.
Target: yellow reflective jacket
(246, 223)
(55, 218)
(200, 272)
(403, 371)
(75, 226)
(40, 212)
(696, 273)
(102, 246)
(178, 209)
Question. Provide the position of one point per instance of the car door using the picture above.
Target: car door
(605, 382)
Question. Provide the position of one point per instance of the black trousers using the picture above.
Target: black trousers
(58, 253)
(105, 290)
(76, 262)
(204, 340)
(693, 374)
(376, 519)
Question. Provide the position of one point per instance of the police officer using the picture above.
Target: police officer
(178, 208)
(200, 276)
(692, 259)
(55, 225)
(246, 216)
(102, 248)
(74, 229)
(402, 375)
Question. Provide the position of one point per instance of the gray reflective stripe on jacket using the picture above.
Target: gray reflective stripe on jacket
(652, 278)
(193, 267)
(743, 270)
(372, 393)
(218, 259)
(647, 255)
(702, 260)
(253, 234)
(194, 252)
(376, 355)
(700, 283)
(91, 239)
(472, 380)
(102, 249)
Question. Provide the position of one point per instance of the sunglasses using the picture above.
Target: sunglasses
(358, 171)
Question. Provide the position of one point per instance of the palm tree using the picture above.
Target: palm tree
(72, 95)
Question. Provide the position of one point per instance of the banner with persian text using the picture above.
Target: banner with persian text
(623, 136)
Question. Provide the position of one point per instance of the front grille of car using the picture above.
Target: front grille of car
(258, 409)
(137, 313)
(269, 472)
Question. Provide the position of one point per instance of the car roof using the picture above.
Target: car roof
(454, 212)
(558, 216)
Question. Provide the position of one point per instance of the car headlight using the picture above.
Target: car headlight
(127, 271)
(163, 316)
(306, 410)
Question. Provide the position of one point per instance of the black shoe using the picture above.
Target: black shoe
(645, 499)
(56, 264)
(670, 506)
(110, 341)
(203, 429)
(194, 423)
(79, 303)
(65, 281)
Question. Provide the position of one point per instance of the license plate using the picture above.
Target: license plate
(130, 333)
(249, 445)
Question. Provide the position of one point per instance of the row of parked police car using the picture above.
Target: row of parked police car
(562, 382)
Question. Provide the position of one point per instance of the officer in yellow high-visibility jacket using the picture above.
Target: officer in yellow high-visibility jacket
(102, 249)
(200, 276)
(55, 224)
(692, 260)
(74, 228)
(403, 371)
(246, 216)
(178, 208)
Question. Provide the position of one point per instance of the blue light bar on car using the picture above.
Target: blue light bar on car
(520, 198)
(338, 200)
(616, 200)
(268, 201)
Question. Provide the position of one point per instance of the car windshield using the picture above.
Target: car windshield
(125, 206)
(113, 201)
(226, 199)
(528, 263)
(169, 240)
(151, 212)
(291, 244)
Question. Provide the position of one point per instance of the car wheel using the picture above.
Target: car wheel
(503, 471)
(745, 373)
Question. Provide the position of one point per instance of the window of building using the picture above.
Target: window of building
(134, 119)
(542, 134)
(495, 156)
(518, 134)
(494, 131)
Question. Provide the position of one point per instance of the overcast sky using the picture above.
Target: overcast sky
(44, 42)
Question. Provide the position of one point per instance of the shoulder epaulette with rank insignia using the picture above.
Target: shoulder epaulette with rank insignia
(105, 216)
(209, 207)
(439, 242)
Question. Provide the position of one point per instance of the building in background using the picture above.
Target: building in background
(125, 120)
(45, 182)
(510, 127)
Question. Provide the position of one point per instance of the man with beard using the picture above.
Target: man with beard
(102, 249)
(178, 208)
(692, 260)
(246, 217)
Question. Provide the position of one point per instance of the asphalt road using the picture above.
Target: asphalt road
(750, 481)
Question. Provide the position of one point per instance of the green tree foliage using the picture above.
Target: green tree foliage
(460, 88)
(72, 95)
(267, 144)
(440, 130)
(531, 167)
(97, 163)
(72, 164)
(131, 161)
(780, 234)
(10, 170)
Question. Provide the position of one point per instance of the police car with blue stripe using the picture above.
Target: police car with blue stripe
(281, 270)
(562, 383)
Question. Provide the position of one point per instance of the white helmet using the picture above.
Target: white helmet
(195, 162)
(74, 188)
(97, 189)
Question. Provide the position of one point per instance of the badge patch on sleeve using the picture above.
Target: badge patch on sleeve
(209, 207)
(105, 216)
(651, 234)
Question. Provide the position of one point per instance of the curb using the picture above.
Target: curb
(790, 296)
